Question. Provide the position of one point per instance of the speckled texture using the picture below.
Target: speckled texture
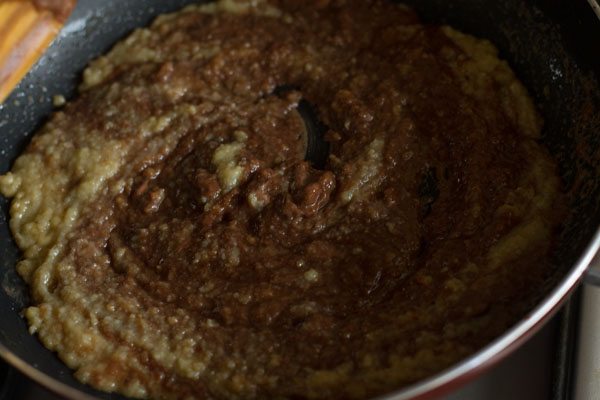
(86, 163)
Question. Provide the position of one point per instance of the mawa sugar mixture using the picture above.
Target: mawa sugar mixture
(178, 245)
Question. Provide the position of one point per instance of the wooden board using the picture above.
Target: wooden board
(26, 30)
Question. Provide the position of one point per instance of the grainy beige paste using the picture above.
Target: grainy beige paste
(177, 244)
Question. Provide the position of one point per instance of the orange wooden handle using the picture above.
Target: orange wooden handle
(26, 30)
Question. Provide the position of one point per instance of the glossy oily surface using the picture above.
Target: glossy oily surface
(183, 246)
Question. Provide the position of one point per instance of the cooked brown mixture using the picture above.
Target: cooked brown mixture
(178, 245)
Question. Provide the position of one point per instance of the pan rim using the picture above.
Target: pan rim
(495, 351)
(441, 383)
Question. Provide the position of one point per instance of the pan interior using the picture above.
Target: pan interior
(549, 44)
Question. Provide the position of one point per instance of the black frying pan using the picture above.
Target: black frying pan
(554, 46)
